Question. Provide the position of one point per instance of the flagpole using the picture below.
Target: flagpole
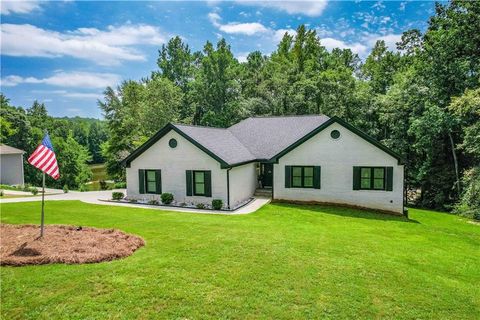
(43, 206)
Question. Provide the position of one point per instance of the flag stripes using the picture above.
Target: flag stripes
(44, 158)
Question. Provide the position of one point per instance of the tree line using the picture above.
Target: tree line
(77, 141)
(421, 100)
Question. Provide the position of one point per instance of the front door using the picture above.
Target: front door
(267, 174)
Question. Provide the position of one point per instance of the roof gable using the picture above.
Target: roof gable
(4, 149)
(254, 139)
(347, 126)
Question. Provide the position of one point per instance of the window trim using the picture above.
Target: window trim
(154, 180)
(302, 177)
(194, 191)
(372, 179)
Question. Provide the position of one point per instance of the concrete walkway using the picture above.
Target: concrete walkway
(28, 193)
(101, 197)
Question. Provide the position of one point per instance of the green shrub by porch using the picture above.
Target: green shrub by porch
(167, 198)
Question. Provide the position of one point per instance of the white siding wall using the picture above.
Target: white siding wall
(243, 182)
(11, 169)
(174, 162)
(337, 158)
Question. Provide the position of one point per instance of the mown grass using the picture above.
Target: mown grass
(282, 262)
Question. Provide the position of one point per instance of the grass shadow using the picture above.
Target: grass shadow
(346, 211)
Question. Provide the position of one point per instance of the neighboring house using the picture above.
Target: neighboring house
(11, 165)
(295, 158)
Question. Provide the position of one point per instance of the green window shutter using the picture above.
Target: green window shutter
(189, 182)
(288, 179)
(141, 181)
(317, 177)
(389, 178)
(158, 181)
(356, 178)
(208, 183)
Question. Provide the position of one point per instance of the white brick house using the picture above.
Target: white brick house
(296, 158)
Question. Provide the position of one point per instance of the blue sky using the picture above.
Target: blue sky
(64, 53)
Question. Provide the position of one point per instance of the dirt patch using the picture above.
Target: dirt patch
(20, 244)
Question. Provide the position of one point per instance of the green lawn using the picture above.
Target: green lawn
(282, 262)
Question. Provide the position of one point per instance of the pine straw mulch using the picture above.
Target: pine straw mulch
(20, 244)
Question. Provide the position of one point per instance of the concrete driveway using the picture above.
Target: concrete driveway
(100, 197)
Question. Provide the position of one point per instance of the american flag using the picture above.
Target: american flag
(44, 158)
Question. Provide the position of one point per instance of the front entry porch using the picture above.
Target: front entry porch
(265, 180)
(265, 175)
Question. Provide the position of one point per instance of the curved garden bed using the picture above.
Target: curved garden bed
(21, 245)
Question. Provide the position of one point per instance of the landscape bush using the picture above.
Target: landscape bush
(117, 195)
(120, 185)
(469, 205)
(167, 198)
(1, 193)
(34, 191)
(83, 188)
(201, 206)
(8, 187)
(154, 202)
(217, 204)
(103, 185)
(65, 189)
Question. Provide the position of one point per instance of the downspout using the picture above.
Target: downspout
(273, 180)
(228, 187)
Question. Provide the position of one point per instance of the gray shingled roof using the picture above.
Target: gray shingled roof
(219, 141)
(265, 137)
(4, 149)
(253, 138)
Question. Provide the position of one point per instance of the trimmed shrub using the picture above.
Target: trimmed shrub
(201, 206)
(1, 193)
(120, 185)
(217, 204)
(65, 189)
(154, 202)
(117, 195)
(167, 198)
(34, 191)
(83, 188)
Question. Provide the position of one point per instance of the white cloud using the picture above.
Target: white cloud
(83, 95)
(356, 47)
(249, 28)
(390, 40)
(242, 57)
(104, 47)
(313, 8)
(18, 6)
(378, 5)
(278, 34)
(363, 47)
(66, 79)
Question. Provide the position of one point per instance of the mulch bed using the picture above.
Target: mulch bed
(20, 244)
